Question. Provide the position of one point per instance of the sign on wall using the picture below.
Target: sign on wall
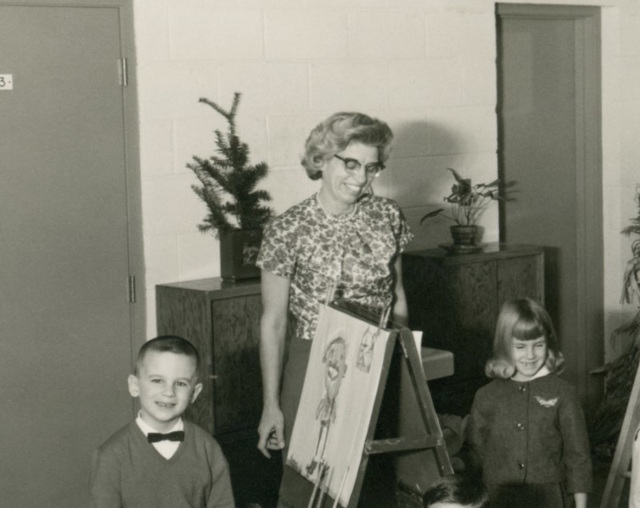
(6, 81)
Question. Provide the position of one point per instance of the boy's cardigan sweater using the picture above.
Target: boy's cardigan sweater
(128, 472)
(531, 432)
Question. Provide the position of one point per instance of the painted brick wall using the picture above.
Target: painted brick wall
(621, 168)
(427, 67)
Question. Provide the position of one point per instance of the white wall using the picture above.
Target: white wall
(621, 168)
(427, 67)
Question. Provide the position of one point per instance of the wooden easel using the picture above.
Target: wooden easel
(621, 465)
(403, 428)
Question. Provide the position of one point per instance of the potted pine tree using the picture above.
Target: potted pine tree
(236, 211)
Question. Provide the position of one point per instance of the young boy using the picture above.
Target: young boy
(455, 491)
(160, 460)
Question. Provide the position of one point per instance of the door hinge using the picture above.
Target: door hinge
(124, 72)
(132, 289)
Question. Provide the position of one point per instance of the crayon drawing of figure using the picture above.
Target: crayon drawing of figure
(365, 351)
(335, 368)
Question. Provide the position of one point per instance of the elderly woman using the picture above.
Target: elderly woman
(341, 242)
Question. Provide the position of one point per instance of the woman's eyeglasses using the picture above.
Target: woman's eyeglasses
(353, 166)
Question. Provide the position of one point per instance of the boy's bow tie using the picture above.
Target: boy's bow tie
(154, 437)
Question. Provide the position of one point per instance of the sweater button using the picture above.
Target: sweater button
(520, 465)
(522, 388)
(520, 426)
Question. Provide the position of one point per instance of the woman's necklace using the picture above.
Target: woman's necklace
(350, 211)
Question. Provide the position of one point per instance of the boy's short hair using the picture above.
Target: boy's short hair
(168, 344)
(460, 489)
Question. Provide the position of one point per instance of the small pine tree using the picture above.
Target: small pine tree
(229, 174)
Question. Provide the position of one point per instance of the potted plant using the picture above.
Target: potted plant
(467, 202)
(236, 213)
(620, 373)
(631, 280)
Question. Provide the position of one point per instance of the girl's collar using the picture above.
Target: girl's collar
(544, 371)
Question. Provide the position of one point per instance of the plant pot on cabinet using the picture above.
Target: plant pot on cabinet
(464, 235)
(238, 254)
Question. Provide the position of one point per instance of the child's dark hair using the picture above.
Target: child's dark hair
(168, 344)
(455, 488)
(523, 319)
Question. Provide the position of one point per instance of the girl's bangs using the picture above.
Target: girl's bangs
(526, 329)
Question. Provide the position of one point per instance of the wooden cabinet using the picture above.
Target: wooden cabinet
(455, 300)
(222, 319)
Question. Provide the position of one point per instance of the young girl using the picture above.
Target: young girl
(527, 425)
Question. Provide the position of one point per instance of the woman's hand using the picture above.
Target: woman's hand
(271, 430)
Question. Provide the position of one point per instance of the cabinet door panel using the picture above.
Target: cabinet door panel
(236, 363)
(520, 277)
(475, 293)
(184, 312)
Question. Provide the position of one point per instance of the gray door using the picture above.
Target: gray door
(65, 318)
(549, 126)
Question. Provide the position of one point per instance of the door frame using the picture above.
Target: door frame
(132, 156)
(589, 238)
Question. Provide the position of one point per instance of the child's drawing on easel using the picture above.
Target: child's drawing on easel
(337, 401)
(365, 351)
(335, 363)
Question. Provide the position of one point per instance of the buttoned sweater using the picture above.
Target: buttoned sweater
(531, 432)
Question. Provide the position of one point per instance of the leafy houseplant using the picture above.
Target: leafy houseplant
(620, 373)
(236, 213)
(467, 202)
(631, 282)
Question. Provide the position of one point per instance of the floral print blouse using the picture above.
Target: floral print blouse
(317, 251)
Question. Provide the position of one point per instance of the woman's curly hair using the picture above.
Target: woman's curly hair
(336, 133)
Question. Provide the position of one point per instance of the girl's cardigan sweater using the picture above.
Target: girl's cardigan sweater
(531, 432)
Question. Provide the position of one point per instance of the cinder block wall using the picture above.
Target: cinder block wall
(427, 67)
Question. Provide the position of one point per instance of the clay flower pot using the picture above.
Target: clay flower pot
(464, 235)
